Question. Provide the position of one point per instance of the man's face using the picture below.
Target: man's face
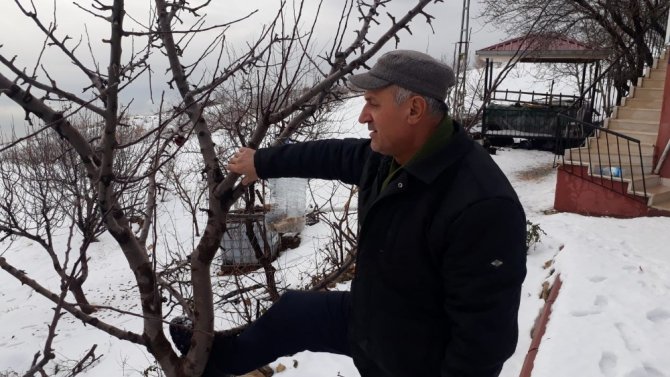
(386, 121)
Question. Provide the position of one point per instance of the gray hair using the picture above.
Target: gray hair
(435, 108)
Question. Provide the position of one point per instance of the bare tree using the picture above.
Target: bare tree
(341, 250)
(45, 191)
(628, 27)
(290, 82)
(478, 95)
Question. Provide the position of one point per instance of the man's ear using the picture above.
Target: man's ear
(417, 109)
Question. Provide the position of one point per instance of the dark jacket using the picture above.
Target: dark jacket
(441, 255)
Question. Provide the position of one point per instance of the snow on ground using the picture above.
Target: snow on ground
(612, 317)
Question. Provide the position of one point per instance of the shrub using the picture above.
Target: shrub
(533, 234)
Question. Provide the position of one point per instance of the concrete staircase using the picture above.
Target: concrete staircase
(616, 158)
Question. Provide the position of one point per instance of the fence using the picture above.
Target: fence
(532, 116)
(614, 161)
(537, 111)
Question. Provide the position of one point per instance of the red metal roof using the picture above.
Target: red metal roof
(543, 48)
(540, 42)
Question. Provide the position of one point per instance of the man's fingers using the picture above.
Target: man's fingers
(242, 163)
(247, 181)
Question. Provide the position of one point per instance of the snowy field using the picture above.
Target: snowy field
(612, 317)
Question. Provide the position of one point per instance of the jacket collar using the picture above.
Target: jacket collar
(431, 165)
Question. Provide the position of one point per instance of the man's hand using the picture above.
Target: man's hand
(243, 163)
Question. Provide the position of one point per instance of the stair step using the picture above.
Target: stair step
(611, 151)
(658, 194)
(657, 74)
(657, 189)
(622, 145)
(605, 159)
(648, 93)
(642, 136)
(637, 114)
(624, 173)
(626, 126)
(651, 84)
(649, 181)
(664, 206)
(636, 103)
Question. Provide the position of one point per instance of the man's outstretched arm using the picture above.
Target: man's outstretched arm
(325, 159)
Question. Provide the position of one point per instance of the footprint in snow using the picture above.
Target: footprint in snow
(628, 340)
(607, 364)
(658, 315)
(646, 371)
(584, 313)
(597, 279)
(600, 301)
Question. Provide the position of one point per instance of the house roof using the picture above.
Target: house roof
(543, 49)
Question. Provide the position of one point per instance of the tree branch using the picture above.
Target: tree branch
(54, 120)
(97, 81)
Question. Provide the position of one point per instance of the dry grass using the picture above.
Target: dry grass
(535, 172)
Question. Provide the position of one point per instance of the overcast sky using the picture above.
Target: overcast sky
(19, 36)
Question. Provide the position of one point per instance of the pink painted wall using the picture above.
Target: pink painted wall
(664, 129)
(579, 195)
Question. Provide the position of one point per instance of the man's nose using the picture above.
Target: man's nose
(364, 117)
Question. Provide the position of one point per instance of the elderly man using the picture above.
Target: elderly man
(441, 246)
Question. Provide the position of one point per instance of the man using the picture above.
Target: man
(441, 248)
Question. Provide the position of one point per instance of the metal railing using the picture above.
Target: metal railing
(534, 98)
(592, 104)
(613, 159)
(656, 41)
(531, 115)
(527, 121)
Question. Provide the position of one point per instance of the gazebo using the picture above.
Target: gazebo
(534, 116)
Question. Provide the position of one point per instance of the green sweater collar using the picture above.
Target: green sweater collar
(437, 140)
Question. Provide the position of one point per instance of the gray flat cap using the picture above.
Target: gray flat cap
(408, 69)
